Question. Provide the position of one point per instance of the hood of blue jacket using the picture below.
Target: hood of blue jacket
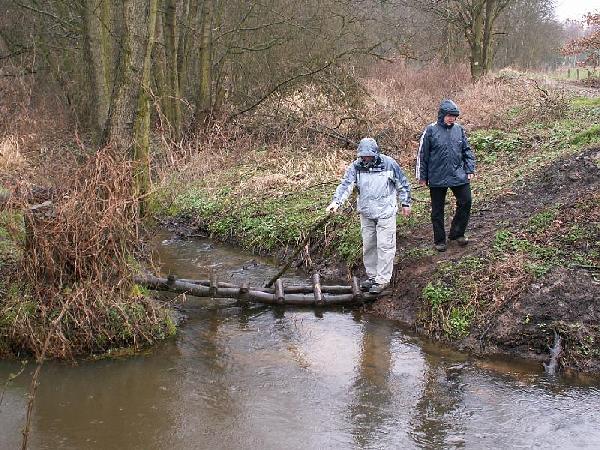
(367, 147)
(447, 107)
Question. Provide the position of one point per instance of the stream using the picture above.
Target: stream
(257, 377)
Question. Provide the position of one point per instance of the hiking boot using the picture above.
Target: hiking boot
(367, 284)
(461, 240)
(441, 247)
(377, 288)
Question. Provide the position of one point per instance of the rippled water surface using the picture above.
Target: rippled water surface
(263, 378)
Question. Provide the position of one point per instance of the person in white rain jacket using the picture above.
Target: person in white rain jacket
(379, 181)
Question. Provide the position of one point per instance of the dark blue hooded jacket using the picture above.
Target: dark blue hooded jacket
(445, 157)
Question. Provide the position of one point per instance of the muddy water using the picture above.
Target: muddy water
(264, 378)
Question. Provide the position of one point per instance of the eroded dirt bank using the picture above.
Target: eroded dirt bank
(531, 269)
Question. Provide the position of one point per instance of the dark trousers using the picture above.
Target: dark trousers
(461, 218)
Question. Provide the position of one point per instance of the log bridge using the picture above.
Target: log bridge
(299, 295)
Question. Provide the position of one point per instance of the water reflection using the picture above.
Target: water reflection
(372, 395)
(434, 424)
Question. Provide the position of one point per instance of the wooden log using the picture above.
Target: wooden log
(207, 282)
(279, 293)
(292, 289)
(179, 286)
(317, 289)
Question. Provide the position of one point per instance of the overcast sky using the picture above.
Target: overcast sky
(575, 9)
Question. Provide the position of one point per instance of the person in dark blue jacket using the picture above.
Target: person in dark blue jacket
(445, 160)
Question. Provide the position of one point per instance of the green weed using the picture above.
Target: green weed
(577, 233)
(459, 320)
(537, 270)
(542, 220)
(586, 137)
(586, 102)
(349, 245)
(489, 144)
(419, 252)
(437, 294)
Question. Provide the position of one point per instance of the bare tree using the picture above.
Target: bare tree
(475, 19)
(529, 35)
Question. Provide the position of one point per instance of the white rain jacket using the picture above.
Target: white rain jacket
(378, 184)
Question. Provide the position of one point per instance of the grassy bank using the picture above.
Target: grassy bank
(266, 198)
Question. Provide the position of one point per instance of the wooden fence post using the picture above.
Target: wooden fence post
(317, 289)
(213, 283)
(279, 292)
(356, 289)
(244, 291)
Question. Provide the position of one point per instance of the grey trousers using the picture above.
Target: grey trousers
(379, 247)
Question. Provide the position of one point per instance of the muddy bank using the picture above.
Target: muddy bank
(550, 222)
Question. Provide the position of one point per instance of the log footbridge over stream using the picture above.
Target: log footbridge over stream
(299, 295)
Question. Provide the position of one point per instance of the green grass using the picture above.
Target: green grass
(586, 137)
(541, 221)
(436, 293)
(586, 102)
(266, 222)
(12, 237)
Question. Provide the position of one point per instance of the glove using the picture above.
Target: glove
(333, 207)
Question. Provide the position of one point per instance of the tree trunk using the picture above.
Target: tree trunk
(141, 130)
(190, 11)
(129, 113)
(99, 58)
(490, 15)
(203, 101)
(159, 71)
(170, 36)
(475, 37)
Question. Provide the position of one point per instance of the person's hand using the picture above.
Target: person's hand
(470, 176)
(406, 210)
(332, 208)
(423, 182)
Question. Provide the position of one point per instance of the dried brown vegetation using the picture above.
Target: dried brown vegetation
(306, 137)
(72, 291)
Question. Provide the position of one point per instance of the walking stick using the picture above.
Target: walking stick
(314, 228)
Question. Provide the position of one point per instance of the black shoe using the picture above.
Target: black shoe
(367, 284)
(377, 288)
(441, 247)
(461, 240)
